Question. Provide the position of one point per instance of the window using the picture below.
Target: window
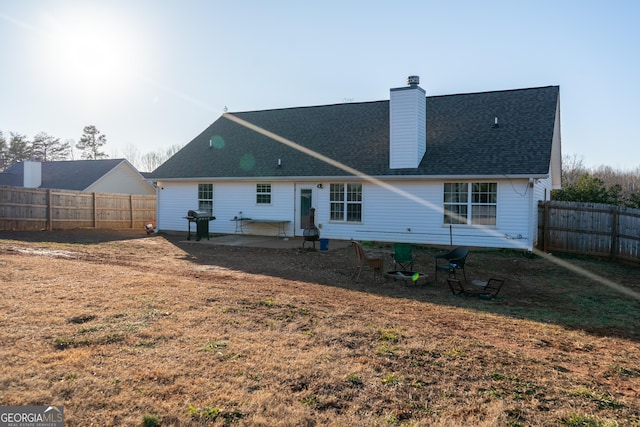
(263, 194)
(346, 202)
(470, 203)
(455, 202)
(484, 202)
(205, 198)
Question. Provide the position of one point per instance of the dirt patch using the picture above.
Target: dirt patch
(122, 326)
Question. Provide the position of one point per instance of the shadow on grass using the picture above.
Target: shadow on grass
(535, 288)
(78, 236)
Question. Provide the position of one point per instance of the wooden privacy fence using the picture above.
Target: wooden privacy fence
(37, 209)
(589, 228)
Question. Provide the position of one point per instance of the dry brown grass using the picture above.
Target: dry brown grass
(115, 327)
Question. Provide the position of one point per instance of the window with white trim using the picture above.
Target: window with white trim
(205, 198)
(263, 194)
(470, 203)
(346, 202)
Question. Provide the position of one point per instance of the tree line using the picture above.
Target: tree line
(43, 147)
(602, 184)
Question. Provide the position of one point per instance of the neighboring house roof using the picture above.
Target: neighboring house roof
(67, 175)
(461, 139)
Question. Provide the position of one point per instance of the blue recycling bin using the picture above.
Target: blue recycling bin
(324, 244)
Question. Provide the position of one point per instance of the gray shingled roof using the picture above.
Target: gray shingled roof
(461, 139)
(66, 175)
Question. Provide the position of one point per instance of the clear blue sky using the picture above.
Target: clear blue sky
(155, 73)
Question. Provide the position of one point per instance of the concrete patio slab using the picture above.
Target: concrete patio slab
(268, 242)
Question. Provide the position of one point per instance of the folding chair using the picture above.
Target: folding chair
(403, 257)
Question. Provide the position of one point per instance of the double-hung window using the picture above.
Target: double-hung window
(263, 194)
(470, 203)
(346, 202)
(205, 198)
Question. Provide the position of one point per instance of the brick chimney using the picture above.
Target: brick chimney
(407, 125)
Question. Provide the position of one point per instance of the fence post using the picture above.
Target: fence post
(95, 210)
(131, 208)
(614, 232)
(49, 210)
(545, 232)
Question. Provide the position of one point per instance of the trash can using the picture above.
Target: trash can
(324, 244)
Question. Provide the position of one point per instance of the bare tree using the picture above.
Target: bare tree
(572, 169)
(152, 160)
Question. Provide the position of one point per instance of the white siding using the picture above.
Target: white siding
(229, 199)
(173, 202)
(403, 212)
(413, 212)
(233, 198)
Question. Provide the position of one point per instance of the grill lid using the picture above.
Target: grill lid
(198, 214)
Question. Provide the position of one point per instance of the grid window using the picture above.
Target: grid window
(484, 202)
(346, 202)
(474, 203)
(205, 198)
(263, 194)
(456, 196)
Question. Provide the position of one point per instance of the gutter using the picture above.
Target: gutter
(353, 178)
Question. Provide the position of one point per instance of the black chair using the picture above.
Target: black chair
(452, 261)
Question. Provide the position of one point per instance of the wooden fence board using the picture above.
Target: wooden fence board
(37, 209)
(589, 228)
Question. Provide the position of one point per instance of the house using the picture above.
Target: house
(465, 169)
(101, 176)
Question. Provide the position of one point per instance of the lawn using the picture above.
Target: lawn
(131, 330)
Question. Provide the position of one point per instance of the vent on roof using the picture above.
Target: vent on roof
(413, 80)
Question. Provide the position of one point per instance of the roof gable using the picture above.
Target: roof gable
(67, 175)
(461, 139)
(75, 174)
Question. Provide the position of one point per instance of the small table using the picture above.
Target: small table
(406, 277)
(280, 224)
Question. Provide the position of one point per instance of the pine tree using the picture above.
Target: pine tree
(91, 142)
(46, 148)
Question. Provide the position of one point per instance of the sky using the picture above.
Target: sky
(152, 74)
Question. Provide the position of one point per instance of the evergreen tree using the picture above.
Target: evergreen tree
(19, 149)
(91, 142)
(4, 161)
(46, 148)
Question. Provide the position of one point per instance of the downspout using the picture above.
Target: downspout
(157, 207)
(532, 226)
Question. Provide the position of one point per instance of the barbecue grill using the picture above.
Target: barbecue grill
(311, 232)
(201, 218)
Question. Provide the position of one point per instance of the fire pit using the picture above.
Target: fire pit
(311, 232)
(406, 277)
